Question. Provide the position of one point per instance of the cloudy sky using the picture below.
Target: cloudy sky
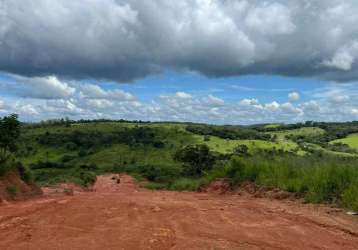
(215, 61)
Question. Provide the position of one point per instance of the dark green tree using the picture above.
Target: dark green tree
(196, 158)
(9, 133)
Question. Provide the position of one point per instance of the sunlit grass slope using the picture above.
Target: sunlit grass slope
(351, 140)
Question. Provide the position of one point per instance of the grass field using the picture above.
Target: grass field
(351, 140)
(274, 125)
(226, 146)
(309, 131)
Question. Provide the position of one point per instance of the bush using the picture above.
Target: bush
(48, 164)
(196, 158)
(82, 153)
(87, 178)
(51, 176)
(241, 150)
(70, 146)
(67, 158)
(236, 171)
(89, 167)
(160, 173)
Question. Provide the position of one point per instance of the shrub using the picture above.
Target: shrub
(241, 150)
(47, 164)
(160, 173)
(89, 167)
(82, 153)
(196, 158)
(67, 158)
(70, 146)
(236, 171)
(87, 178)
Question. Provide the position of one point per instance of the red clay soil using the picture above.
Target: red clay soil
(125, 216)
(24, 190)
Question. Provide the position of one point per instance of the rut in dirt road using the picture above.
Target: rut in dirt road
(125, 216)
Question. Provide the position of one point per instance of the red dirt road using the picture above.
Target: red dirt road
(124, 216)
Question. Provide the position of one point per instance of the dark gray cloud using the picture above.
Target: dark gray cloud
(124, 40)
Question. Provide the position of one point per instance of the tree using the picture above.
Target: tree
(241, 150)
(196, 158)
(9, 133)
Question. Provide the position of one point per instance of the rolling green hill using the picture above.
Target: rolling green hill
(300, 158)
(225, 146)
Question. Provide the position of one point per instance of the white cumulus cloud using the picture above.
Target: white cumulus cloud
(123, 40)
(293, 97)
(183, 95)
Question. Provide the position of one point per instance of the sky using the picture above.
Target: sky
(212, 61)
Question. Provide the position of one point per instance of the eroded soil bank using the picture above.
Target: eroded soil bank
(125, 216)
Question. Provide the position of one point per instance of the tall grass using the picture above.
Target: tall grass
(319, 179)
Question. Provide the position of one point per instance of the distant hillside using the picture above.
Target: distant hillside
(316, 160)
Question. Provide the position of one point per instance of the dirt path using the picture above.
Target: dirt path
(124, 216)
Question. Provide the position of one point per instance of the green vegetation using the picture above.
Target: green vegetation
(197, 159)
(318, 179)
(225, 146)
(272, 126)
(9, 133)
(300, 132)
(318, 161)
(351, 141)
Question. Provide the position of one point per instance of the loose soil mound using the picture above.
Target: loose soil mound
(220, 186)
(13, 188)
(125, 216)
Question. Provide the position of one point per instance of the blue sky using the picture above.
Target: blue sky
(181, 96)
(213, 61)
(267, 88)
